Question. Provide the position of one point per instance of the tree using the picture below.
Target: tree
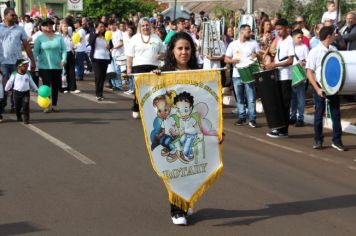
(97, 8)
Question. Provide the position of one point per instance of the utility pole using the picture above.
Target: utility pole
(175, 10)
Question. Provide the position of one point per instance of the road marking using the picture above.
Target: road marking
(263, 141)
(91, 98)
(77, 155)
(310, 155)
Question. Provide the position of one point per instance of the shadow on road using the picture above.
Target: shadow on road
(18, 228)
(273, 210)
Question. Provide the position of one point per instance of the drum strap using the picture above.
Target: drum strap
(283, 59)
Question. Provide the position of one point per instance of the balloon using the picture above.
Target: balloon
(43, 102)
(44, 91)
(108, 35)
(75, 38)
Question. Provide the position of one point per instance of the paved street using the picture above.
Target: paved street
(85, 171)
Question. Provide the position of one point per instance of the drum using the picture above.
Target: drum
(299, 75)
(246, 72)
(338, 73)
(268, 89)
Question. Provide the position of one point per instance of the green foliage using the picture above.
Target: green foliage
(97, 8)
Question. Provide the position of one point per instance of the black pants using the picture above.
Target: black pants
(35, 77)
(53, 79)
(286, 92)
(100, 67)
(70, 72)
(22, 102)
(136, 70)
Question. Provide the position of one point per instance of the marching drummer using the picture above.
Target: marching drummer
(298, 90)
(314, 62)
(243, 50)
(283, 61)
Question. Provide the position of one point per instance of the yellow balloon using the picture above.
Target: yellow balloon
(108, 35)
(43, 102)
(75, 38)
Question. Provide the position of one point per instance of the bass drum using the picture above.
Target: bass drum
(268, 89)
(338, 73)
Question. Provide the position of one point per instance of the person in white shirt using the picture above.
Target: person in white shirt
(21, 83)
(331, 14)
(80, 50)
(298, 92)
(28, 26)
(144, 53)
(239, 52)
(116, 52)
(283, 61)
(314, 62)
(130, 32)
(69, 67)
(101, 58)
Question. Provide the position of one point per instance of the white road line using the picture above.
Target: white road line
(77, 155)
(92, 98)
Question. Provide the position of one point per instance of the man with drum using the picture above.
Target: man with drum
(314, 63)
(283, 61)
(243, 52)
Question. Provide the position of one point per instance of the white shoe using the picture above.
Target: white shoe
(65, 91)
(135, 115)
(76, 91)
(179, 220)
(234, 111)
(128, 92)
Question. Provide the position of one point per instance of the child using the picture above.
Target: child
(315, 40)
(298, 92)
(331, 14)
(1, 97)
(21, 82)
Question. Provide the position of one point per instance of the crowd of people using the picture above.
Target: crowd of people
(34, 50)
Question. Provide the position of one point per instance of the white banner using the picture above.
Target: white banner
(75, 5)
(182, 120)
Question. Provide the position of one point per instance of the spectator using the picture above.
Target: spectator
(100, 56)
(51, 52)
(301, 21)
(331, 12)
(266, 40)
(80, 50)
(12, 39)
(315, 40)
(350, 32)
(143, 53)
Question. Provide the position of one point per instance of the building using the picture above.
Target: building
(59, 7)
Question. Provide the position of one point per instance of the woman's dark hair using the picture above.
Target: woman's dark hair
(262, 28)
(170, 62)
(186, 97)
(162, 31)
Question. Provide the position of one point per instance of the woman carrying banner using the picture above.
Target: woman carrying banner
(180, 56)
(143, 54)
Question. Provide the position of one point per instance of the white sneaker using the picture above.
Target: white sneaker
(135, 115)
(65, 91)
(179, 220)
(76, 91)
(128, 92)
(234, 111)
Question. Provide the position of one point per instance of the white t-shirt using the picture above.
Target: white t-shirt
(208, 64)
(315, 58)
(145, 53)
(329, 16)
(117, 37)
(21, 83)
(68, 42)
(285, 49)
(28, 27)
(242, 52)
(126, 40)
(188, 126)
(168, 124)
(82, 45)
(101, 52)
(301, 51)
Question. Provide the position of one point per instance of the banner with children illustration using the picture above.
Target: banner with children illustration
(182, 119)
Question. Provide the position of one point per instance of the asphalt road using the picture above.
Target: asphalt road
(85, 171)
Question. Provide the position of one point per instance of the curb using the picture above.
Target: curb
(347, 127)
